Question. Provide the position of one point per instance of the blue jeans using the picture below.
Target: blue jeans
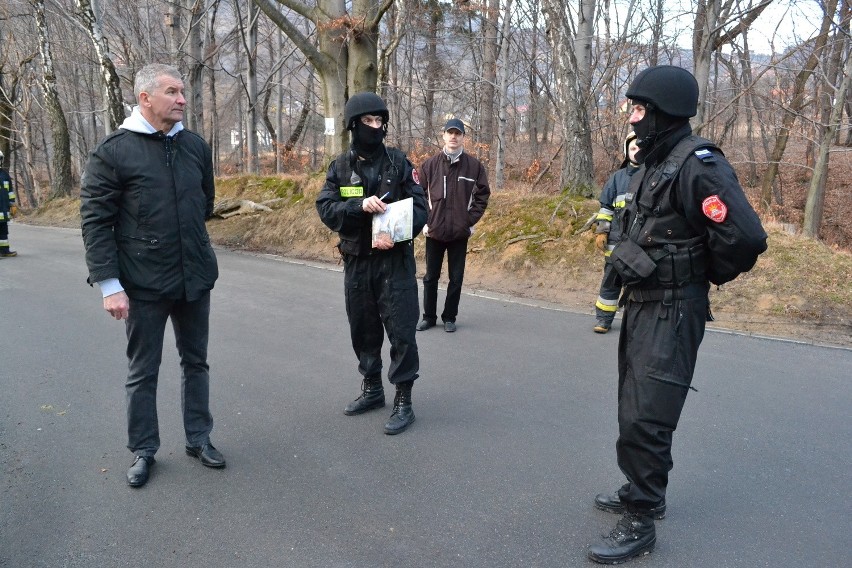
(145, 330)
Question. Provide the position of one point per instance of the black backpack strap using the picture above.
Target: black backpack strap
(666, 172)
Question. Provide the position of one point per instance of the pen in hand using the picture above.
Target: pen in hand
(382, 198)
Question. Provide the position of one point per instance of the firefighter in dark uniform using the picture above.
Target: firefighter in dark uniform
(379, 279)
(687, 223)
(8, 209)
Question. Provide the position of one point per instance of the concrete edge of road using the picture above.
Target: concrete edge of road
(491, 295)
(541, 304)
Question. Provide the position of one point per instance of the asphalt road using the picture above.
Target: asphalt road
(514, 436)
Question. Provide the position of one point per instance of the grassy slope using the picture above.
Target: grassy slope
(525, 245)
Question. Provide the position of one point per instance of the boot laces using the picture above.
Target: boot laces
(396, 403)
(625, 529)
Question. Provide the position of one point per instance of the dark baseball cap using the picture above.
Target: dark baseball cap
(454, 123)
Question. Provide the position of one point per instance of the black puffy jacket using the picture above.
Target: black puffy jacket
(144, 201)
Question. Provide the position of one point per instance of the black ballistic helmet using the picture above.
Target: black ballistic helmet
(364, 103)
(672, 90)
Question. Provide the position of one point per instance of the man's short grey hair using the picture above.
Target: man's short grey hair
(147, 78)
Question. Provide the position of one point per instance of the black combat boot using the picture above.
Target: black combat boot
(632, 536)
(372, 396)
(403, 414)
(611, 503)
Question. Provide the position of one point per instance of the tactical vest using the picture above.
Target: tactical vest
(392, 166)
(663, 233)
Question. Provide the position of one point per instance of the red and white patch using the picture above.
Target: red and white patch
(714, 209)
(415, 176)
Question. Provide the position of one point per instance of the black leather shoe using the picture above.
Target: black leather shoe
(612, 504)
(403, 413)
(139, 471)
(633, 536)
(372, 396)
(425, 324)
(209, 456)
(449, 326)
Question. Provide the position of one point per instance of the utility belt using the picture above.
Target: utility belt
(667, 266)
(665, 295)
(351, 247)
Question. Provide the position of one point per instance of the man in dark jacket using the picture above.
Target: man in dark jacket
(457, 192)
(379, 275)
(146, 193)
(687, 224)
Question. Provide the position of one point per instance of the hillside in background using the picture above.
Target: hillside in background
(526, 245)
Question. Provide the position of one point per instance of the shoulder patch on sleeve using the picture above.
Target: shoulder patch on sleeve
(415, 176)
(705, 155)
(714, 209)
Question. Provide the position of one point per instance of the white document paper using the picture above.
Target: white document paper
(396, 223)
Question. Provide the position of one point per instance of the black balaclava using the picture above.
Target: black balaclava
(366, 140)
(653, 126)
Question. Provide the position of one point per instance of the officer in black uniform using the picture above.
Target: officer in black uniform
(379, 278)
(687, 223)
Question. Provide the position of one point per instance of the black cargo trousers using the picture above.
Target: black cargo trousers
(381, 296)
(657, 352)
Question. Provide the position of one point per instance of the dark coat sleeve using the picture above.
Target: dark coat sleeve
(100, 198)
(734, 239)
(481, 193)
(208, 182)
(338, 214)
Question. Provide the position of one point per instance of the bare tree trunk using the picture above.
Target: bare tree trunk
(533, 109)
(848, 141)
(388, 61)
(267, 122)
(706, 21)
(814, 207)
(749, 106)
(657, 21)
(32, 190)
(63, 180)
(195, 74)
(241, 120)
(24, 159)
(796, 105)
(500, 162)
(213, 135)
(436, 18)
(81, 141)
(301, 122)
(583, 43)
(113, 99)
(174, 22)
(279, 116)
(577, 167)
(251, 87)
(490, 50)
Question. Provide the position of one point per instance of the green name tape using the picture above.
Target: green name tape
(352, 191)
